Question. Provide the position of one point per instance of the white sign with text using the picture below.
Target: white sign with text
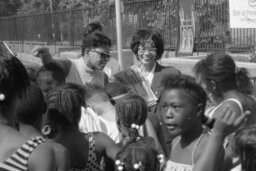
(242, 13)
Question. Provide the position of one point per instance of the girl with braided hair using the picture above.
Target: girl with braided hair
(86, 150)
(139, 155)
(131, 111)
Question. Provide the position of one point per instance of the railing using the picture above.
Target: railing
(65, 28)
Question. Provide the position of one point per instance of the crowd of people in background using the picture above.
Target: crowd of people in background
(69, 115)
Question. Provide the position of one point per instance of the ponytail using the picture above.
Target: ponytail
(243, 81)
(133, 133)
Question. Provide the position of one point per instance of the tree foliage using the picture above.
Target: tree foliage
(9, 7)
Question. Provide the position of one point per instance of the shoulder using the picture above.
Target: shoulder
(200, 149)
(166, 69)
(61, 156)
(58, 148)
(232, 105)
(42, 158)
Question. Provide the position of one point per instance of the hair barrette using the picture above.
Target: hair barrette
(119, 165)
(2, 97)
(137, 165)
(135, 126)
(160, 158)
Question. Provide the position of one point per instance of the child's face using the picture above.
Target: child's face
(178, 111)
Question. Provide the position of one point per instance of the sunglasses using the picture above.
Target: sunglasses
(103, 55)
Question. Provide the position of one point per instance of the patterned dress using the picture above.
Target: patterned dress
(93, 164)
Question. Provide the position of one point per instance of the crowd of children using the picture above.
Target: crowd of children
(66, 116)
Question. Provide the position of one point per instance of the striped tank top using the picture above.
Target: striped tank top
(19, 159)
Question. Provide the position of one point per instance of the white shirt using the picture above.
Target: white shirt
(149, 75)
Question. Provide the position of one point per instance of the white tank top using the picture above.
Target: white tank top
(174, 166)
(210, 114)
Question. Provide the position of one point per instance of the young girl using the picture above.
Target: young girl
(245, 147)
(183, 107)
(139, 155)
(86, 150)
(18, 152)
(29, 119)
(131, 112)
(226, 86)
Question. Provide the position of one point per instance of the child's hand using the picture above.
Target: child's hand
(39, 51)
(228, 122)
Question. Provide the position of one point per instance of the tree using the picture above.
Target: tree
(9, 7)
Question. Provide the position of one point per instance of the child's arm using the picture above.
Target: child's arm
(44, 54)
(212, 158)
(105, 145)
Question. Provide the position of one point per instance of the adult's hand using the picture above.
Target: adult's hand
(40, 51)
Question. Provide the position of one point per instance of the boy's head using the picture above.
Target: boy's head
(31, 107)
(183, 103)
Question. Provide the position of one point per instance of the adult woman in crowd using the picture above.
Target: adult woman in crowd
(17, 152)
(148, 47)
(86, 69)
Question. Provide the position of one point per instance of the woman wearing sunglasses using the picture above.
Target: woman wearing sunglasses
(86, 70)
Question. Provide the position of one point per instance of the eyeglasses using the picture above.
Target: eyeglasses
(143, 49)
(103, 55)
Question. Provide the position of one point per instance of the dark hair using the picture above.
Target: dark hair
(115, 89)
(141, 36)
(13, 80)
(96, 40)
(89, 29)
(245, 147)
(32, 72)
(190, 86)
(131, 109)
(68, 104)
(55, 72)
(82, 93)
(141, 151)
(222, 69)
(32, 106)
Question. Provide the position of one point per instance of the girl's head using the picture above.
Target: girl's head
(147, 45)
(131, 113)
(13, 83)
(116, 91)
(67, 102)
(49, 77)
(139, 155)
(183, 103)
(245, 147)
(218, 73)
